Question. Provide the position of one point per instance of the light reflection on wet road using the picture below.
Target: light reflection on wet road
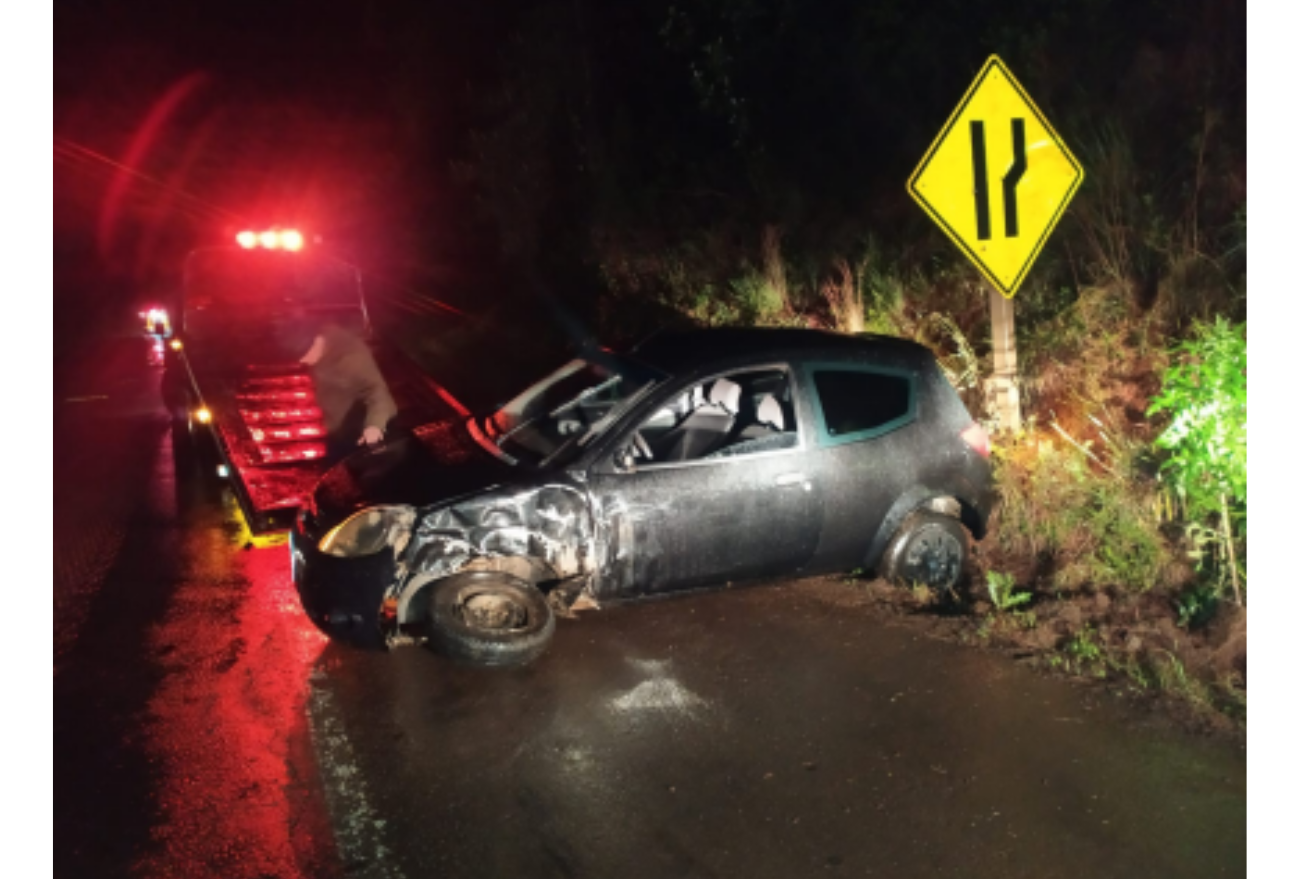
(203, 728)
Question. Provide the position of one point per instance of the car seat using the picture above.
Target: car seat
(768, 419)
(706, 428)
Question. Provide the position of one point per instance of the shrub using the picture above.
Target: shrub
(1205, 392)
(1071, 520)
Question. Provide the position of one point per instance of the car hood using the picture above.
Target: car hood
(434, 463)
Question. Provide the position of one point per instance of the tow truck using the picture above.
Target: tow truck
(232, 379)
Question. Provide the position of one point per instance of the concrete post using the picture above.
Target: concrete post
(1003, 387)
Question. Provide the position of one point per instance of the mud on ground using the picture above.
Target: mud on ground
(1130, 644)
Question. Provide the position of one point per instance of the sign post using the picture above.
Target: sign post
(996, 180)
(1003, 387)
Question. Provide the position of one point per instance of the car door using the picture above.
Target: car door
(864, 452)
(684, 524)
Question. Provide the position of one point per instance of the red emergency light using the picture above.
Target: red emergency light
(271, 239)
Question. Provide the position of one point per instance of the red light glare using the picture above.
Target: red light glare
(303, 397)
(294, 452)
(247, 239)
(277, 381)
(283, 434)
(291, 239)
(269, 239)
(267, 416)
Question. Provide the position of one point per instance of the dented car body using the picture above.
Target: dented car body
(699, 458)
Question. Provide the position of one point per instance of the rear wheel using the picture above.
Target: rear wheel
(489, 618)
(928, 548)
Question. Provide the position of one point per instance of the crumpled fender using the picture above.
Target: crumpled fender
(549, 525)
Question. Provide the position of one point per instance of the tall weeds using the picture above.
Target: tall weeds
(1071, 517)
(843, 298)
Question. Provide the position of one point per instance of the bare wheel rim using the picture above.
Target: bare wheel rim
(934, 557)
(492, 611)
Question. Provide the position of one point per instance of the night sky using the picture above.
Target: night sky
(333, 117)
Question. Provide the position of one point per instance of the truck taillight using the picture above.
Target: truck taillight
(295, 452)
(978, 439)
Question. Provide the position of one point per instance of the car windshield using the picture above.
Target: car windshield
(555, 418)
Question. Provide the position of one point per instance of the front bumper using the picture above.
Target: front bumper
(342, 596)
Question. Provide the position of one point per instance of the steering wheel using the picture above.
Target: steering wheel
(642, 447)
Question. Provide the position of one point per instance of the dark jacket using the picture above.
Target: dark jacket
(350, 390)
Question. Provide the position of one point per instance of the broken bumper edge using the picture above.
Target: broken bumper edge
(341, 596)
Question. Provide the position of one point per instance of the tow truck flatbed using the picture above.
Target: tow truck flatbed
(265, 428)
(257, 407)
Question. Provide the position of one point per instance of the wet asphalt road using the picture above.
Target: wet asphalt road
(203, 728)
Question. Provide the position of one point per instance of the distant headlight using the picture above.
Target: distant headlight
(369, 531)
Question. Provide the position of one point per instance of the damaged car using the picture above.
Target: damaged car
(698, 458)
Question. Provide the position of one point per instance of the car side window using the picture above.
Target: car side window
(725, 417)
(859, 403)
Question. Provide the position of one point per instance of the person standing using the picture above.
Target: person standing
(353, 397)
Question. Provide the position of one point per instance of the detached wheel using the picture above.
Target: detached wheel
(928, 548)
(489, 618)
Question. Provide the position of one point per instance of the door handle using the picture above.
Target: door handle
(789, 479)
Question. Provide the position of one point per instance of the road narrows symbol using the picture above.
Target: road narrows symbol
(981, 180)
(1017, 170)
(1019, 165)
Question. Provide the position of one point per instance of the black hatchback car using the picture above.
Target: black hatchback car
(698, 458)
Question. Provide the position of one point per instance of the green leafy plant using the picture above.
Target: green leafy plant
(1205, 392)
(1002, 592)
(1085, 653)
(1196, 606)
(1084, 646)
(1026, 619)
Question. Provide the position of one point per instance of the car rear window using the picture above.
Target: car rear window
(857, 402)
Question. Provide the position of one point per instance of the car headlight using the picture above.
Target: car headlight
(369, 531)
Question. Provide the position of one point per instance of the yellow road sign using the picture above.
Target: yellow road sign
(997, 178)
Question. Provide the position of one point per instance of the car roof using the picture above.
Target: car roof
(679, 351)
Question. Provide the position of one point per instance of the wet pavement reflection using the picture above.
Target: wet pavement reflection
(765, 732)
